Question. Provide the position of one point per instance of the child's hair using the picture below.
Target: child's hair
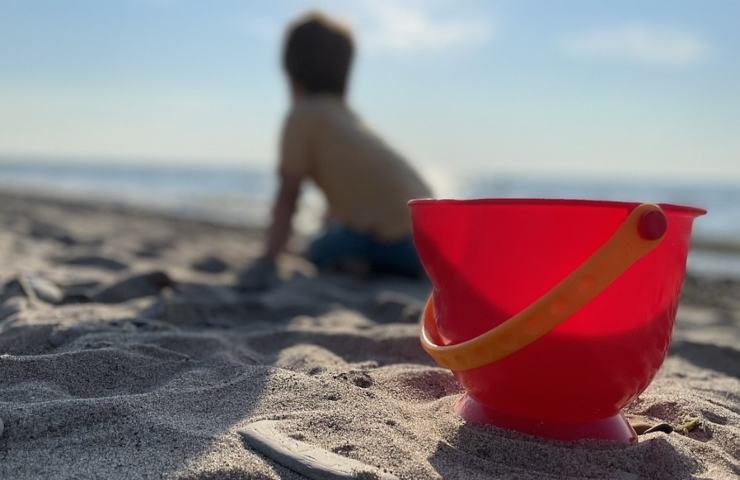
(318, 54)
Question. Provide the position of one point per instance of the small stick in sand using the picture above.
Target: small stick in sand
(306, 459)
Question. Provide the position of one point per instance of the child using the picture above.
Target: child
(365, 182)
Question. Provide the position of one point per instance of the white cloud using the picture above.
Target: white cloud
(639, 42)
(387, 26)
(406, 27)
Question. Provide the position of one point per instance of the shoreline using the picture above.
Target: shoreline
(720, 257)
(95, 204)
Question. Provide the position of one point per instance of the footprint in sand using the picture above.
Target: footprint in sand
(11, 307)
(390, 307)
(154, 248)
(137, 286)
(34, 288)
(94, 261)
(49, 231)
(210, 264)
(43, 231)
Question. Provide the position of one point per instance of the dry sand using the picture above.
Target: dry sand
(126, 353)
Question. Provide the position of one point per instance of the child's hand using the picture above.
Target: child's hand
(260, 275)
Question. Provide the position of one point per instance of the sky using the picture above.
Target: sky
(630, 89)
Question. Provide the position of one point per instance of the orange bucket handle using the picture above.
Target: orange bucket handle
(640, 233)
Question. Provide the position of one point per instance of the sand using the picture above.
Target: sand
(126, 352)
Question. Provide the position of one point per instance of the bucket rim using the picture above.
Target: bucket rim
(668, 207)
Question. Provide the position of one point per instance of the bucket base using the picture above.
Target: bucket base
(615, 428)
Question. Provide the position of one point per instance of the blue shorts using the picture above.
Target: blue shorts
(339, 245)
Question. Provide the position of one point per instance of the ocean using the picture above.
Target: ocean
(242, 195)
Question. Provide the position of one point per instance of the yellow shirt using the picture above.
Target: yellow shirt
(365, 182)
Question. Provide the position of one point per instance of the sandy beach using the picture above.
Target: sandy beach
(127, 352)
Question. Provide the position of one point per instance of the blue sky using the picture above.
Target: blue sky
(629, 88)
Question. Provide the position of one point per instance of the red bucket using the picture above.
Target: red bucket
(553, 314)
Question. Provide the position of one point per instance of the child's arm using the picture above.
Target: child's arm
(262, 273)
(293, 167)
(283, 208)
